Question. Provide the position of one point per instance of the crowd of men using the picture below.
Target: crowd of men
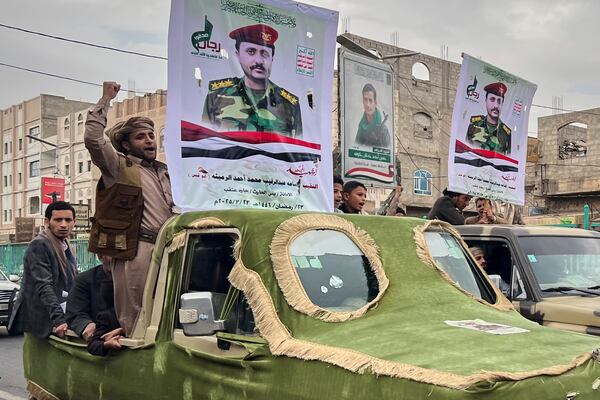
(133, 201)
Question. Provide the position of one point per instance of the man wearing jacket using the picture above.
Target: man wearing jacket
(133, 201)
(49, 268)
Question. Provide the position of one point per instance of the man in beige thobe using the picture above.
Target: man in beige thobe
(138, 143)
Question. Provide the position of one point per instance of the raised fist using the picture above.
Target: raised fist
(110, 90)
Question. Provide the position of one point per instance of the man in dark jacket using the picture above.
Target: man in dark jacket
(85, 299)
(449, 207)
(49, 268)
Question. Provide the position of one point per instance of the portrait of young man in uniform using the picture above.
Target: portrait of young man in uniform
(253, 102)
(488, 132)
(372, 131)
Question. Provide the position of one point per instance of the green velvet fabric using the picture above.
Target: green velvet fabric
(406, 327)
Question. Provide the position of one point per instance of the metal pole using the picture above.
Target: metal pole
(586, 216)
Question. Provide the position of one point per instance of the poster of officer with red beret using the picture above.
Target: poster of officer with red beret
(249, 104)
(488, 145)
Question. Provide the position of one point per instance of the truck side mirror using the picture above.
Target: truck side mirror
(14, 278)
(199, 312)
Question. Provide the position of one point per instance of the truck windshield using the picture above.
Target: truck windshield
(451, 258)
(564, 264)
(334, 272)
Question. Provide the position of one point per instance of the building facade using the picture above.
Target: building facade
(566, 173)
(26, 160)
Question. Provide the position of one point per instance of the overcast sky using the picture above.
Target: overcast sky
(548, 42)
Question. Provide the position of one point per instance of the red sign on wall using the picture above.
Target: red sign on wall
(53, 189)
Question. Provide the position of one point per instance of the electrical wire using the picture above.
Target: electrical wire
(81, 42)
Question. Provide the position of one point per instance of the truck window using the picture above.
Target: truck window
(501, 267)
(451, 258)
(563, 262)
(333, 271)
(209, 260)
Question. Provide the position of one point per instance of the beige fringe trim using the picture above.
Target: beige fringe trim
(208, 222)
(178, 239)
(177, 242)
(281, 343)
(502, 303)
(37, 393)
(288, 279)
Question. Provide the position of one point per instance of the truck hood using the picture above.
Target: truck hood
(8, 285)
(576, 310)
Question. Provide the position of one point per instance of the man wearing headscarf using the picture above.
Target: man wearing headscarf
(133, 201)
(49, 267)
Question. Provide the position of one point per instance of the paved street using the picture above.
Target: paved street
(12, 383)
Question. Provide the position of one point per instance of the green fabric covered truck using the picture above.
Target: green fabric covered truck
(253, 304)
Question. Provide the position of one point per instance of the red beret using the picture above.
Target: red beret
(497, 88)
(260, 34)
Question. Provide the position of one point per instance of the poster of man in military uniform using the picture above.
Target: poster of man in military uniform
(488, 132)
(487, 150)
(367, 120)
(249, 104)
(252, 102)
(372, 130)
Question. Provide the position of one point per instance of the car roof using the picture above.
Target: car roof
(524, 230)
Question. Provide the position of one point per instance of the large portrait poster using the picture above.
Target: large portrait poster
(367, 120)
(488, 146)
(249, 104)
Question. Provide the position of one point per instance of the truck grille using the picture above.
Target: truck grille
(5, 295)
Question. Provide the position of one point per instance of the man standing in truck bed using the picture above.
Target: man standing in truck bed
(133, 200)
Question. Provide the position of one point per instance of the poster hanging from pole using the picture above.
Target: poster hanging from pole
(488, 145)
(249, 104)
(367, 120)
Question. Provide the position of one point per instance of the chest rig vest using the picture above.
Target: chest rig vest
(116, 225)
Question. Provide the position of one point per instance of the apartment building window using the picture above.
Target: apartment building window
(5, 216)
(35, 132)
(5, 181)
(67, 169)
(422, 182)
(9, 215)
(5, 148)
(89, 165)
(10, 180)
(80, 167)
(20, 144)
(19, 213)
(34, 169)
(20, 178)
(34, 205)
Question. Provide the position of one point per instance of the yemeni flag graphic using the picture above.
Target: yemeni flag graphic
(481, 158)
(201, 141)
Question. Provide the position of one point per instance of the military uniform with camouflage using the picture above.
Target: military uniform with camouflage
(490, 136)
(252, 102)
(230, 105)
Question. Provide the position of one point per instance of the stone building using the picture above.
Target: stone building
(26, 160)
(566, 174)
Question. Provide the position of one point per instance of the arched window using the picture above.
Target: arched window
(420, 71)
(422, 182)
(422, 125)
(573, 141)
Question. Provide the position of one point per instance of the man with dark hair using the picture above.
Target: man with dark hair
(253, 102)
(49, 268)
(449, 207)
(355, 196)
(488, 132)
(85, 300)
(338, 188)
(485, 213)
(133, 200)
(371, 128)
